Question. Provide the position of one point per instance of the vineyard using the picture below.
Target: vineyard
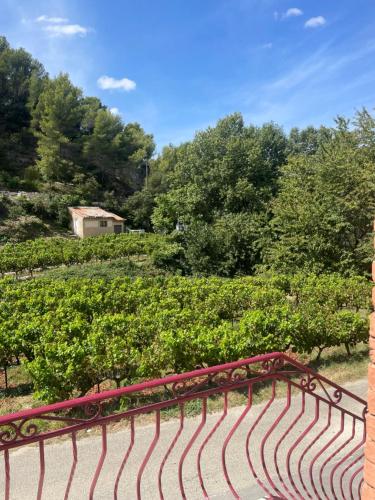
(76, 333)
(50, 252)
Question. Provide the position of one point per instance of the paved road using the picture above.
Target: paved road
(58, 457)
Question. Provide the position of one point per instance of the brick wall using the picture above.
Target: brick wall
(368, 492)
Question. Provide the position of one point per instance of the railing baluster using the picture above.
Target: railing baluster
(74, 465)
(330, 458)
(148, 454)
(41, 471)
(277, 447)
(267, 435)
(189, 445)
(354, 475)
(360, 486)
(348, 455)
(7, 475)
(169, 451)
(229, 437)
(249, 434)
(307, 448)
(294, 446)
(126, 456)
(327, 445)
(100, 463)
(211, 433)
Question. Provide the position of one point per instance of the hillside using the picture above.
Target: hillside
(62, 146)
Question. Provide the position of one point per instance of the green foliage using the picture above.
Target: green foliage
(22, 228)
(75, 333)
(333, 309)
(169, 257)
(228, 168)
(50, 252)
(264, 330)
(17, 146)
(50, 207)
(138, 209)
(307, 141)
(56, 121)
(324, 211)
(230, 246)
(107, 270)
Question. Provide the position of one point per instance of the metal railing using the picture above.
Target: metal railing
(263, 426)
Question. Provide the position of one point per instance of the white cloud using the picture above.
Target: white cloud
(293, 12)
(315, 22)
(115, 111)
(66, 30)
(58, 26)
(52, 20)
(107, 83)
(267, 45)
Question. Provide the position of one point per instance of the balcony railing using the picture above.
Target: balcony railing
(263, 426)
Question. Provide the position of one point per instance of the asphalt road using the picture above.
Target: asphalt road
(24, 462)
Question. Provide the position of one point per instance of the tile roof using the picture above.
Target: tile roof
(94, 213)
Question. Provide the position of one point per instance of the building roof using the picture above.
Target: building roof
(94, 213)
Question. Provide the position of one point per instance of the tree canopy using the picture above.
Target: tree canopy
(51, 133)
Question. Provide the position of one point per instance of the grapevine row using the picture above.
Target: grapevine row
(73, 334)
(49, 252)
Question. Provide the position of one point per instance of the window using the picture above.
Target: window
(103, 223)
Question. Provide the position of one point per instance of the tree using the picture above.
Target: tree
(308, 140)
(57, 123)
(324, 211)
(230, 246)
(18, 73)
(115, 153)
(138, 209)
(220, 188)
(228, 168)
(99, 147)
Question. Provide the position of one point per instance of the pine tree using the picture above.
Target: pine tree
(57, 124)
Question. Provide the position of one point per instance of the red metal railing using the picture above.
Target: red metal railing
(303, 439)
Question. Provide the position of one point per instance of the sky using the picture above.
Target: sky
(177, 66)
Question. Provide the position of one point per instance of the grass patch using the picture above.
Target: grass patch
(336, 365)
(108, 270)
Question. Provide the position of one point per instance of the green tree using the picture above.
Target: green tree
(308, 140)
(140, 206)
(324, 211)
(230, 246)
(57, 123)
(228, 168)
(18, 74)
(116, 153)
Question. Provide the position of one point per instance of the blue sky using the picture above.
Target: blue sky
(177, 66)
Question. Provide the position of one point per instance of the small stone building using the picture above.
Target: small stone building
(93, 221)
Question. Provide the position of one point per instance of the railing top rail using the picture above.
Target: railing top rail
(148, 384)
(171, 379)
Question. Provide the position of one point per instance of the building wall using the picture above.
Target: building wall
(85, 228)
(368, 491)
(91, 227)
(77, 223)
